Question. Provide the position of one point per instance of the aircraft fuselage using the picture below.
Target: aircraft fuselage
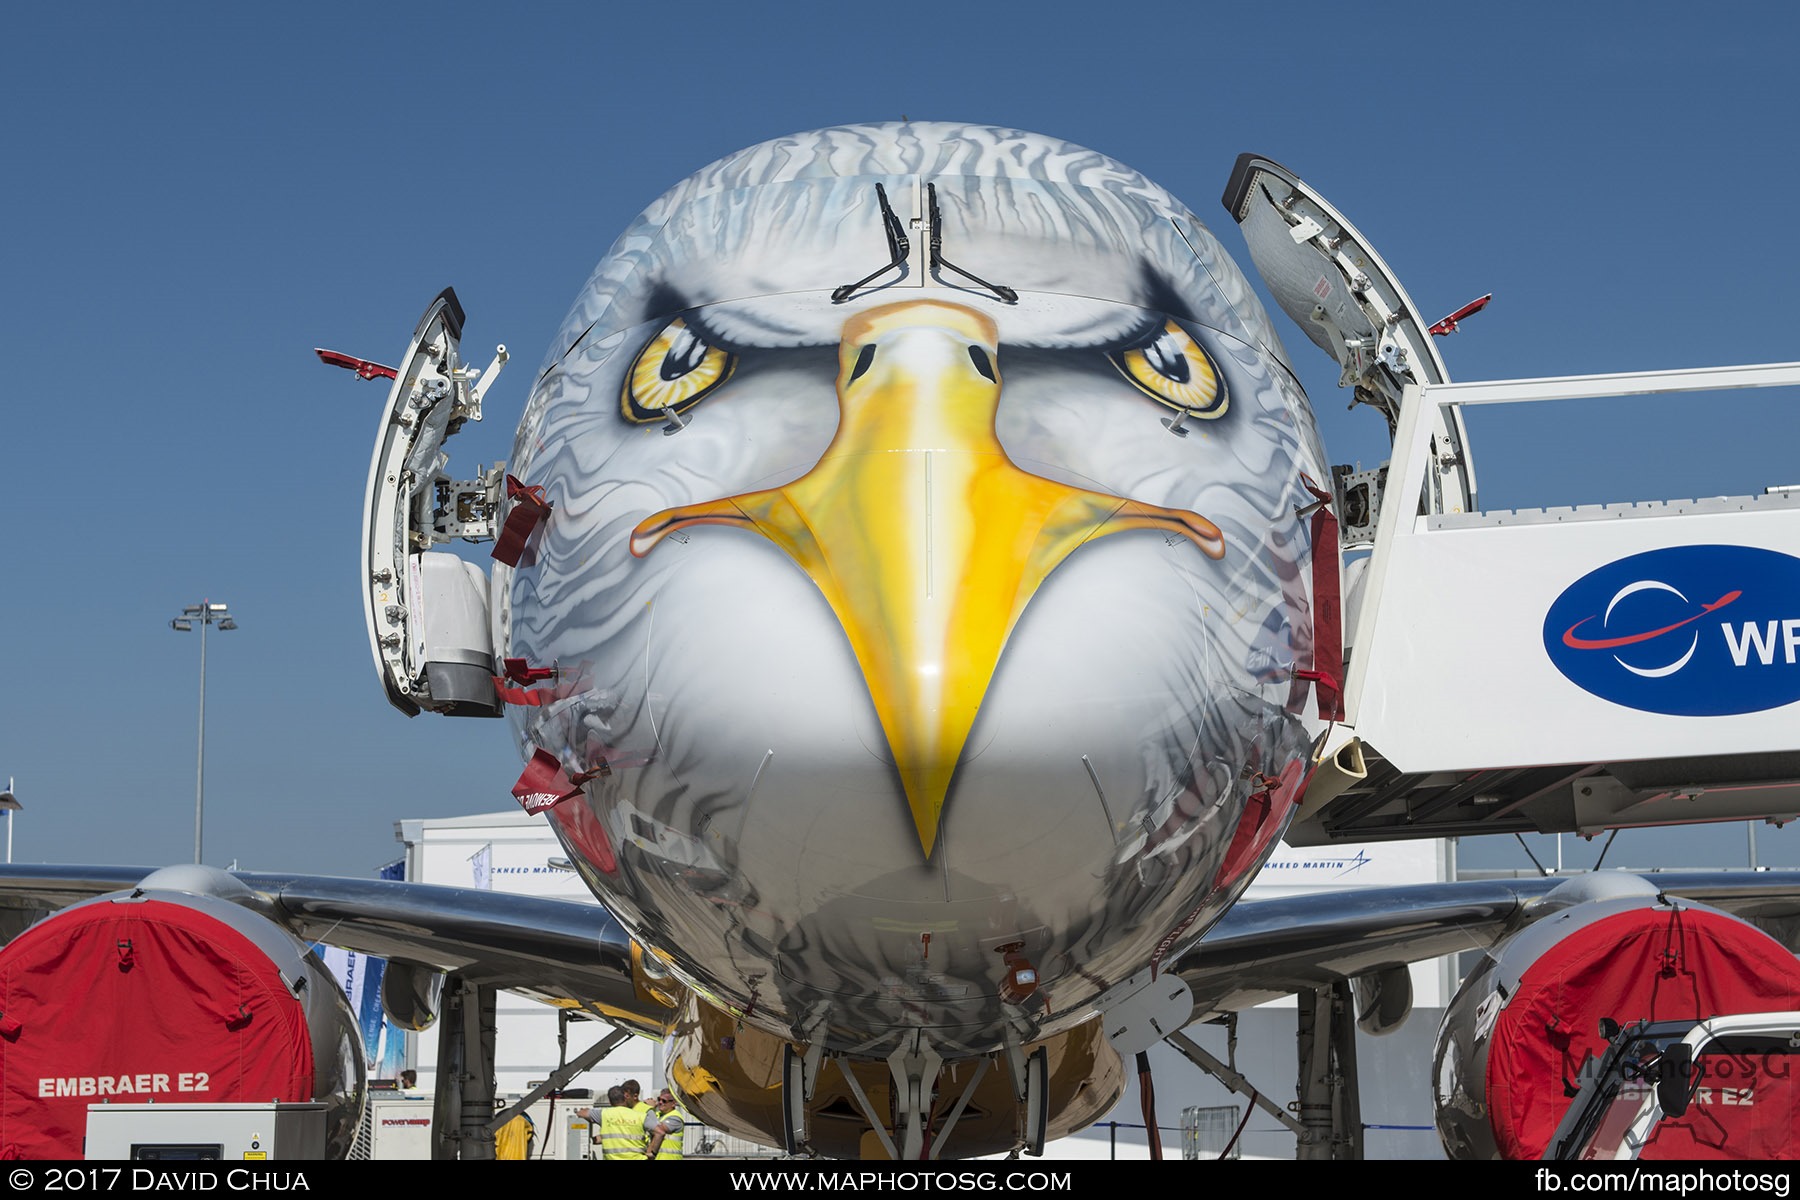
(918, 625)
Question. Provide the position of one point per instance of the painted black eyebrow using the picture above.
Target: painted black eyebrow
(695, 319)
(1142, 332)
(1163, 296)
(664, 302)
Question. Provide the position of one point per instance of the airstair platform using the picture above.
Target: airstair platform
(1564, 669)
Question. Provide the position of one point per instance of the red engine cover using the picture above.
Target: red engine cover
(1653, 963)
(129, 1002)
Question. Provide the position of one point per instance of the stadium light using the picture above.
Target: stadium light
(202, 614)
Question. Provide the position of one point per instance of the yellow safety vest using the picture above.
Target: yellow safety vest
(671, 1143)
(514, 1138)
(640, 1110)
(621, 1133)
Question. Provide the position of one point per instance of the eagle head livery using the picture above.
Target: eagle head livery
(925, 584)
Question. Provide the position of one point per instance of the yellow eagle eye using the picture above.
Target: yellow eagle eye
(1175, 371)
(672, 374)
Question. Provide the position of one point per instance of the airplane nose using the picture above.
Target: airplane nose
(926, 540)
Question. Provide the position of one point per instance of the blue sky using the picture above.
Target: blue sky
(196, 195)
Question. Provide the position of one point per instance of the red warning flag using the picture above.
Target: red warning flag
(1327, 671)
(542, 788)
(528, 510)
(543, 784)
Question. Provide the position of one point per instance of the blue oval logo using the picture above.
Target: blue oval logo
(1691, 631)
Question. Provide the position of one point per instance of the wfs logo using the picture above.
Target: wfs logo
(1696, 631)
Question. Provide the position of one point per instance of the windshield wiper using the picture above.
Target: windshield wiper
(899, 246)
(939, 262)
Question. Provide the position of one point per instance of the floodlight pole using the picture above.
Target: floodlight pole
(9, 801)
(200, 759)
(204, 613)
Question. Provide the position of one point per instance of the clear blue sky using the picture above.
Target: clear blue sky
(195, 196)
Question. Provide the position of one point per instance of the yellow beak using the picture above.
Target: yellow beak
(925, 538)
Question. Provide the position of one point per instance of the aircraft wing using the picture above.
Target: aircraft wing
(576, 952)
(1263, 949)
(28, 894)
(554, 949)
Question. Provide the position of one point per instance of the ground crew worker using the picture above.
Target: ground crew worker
(634, 1101)
(621, 1131)
(664, 1125)
(513, 1139)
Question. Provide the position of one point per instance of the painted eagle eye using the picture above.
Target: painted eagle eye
(1172, 368)
(672, 374)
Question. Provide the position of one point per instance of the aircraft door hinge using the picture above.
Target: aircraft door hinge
(1304, 229)
(1356, 497)
(1349, 352)
(1393, 357)
(467, 508)
(470, 385)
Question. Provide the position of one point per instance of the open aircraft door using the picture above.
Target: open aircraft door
(1325, 275)
(427, 610)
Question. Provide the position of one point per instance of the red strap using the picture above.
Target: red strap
(1328, 627)
(1323, 678)
(528, 510)
(586, 836)
(519, 670)
(524, 697)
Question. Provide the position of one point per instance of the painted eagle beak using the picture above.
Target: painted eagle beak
(924, 537)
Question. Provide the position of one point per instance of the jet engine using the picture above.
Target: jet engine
(173, 992)
(1529, 1023)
